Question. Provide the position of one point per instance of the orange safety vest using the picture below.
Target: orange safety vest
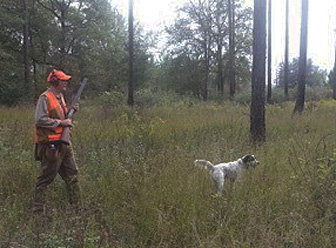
(55, 111)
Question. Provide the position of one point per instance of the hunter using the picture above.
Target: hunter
(56, 157)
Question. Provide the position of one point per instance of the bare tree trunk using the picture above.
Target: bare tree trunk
(206, 71)
(220, 69)
(27, 81)
(269, 57)
(63, 39)
(334, 77)
(207, 53)
(220, 80)
(257, 115)
(130, 100)
(232, 76)
(300, 98)
(34, 93)
(286, 70)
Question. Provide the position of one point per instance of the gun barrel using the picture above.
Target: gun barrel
(66, 130)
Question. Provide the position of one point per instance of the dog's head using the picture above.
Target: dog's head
(250, 160)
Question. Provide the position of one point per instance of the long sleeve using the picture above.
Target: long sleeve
(41, 115)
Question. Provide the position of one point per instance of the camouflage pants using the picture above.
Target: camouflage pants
(56, 159)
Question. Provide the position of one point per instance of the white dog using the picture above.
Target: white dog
(230, 170)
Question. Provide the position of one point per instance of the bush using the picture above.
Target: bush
(311, 94)
(111, 98)
(10, 95)
(243, 97)
(318, 93)
(150, 97)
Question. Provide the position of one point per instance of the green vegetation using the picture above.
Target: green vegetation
(140, 188)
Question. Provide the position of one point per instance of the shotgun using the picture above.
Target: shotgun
(66, 130)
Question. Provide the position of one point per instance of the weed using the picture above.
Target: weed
(140, 188)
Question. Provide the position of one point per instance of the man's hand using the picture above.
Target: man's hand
(66, 123)
(76, 107)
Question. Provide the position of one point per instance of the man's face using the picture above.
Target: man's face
(61, 87)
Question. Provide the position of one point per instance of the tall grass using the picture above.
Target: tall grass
(140, 188)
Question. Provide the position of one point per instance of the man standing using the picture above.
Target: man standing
(56, 157)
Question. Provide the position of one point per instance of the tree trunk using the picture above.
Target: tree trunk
(207, 54)
(286, 70)
(300, 98)
(232, 76)
(334, 77)
(220, 80)
(130, 100)
(63, 39)
(220, 69)
(269, 57)
(27, 81)
(206, 70)
(257, 115)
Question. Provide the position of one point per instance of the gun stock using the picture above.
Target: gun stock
(66, 135)
(66, 130)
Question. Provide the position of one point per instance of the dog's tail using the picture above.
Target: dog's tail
(204, 164)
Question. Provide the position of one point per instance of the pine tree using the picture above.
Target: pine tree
(257, 122)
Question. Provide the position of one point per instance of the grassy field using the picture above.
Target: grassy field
(140, 188)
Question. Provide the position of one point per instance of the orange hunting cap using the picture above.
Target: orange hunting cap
(56, 75)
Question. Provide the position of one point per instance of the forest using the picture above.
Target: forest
(149, 110)
(207, 55)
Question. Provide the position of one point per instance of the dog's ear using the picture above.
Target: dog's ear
(248, 158)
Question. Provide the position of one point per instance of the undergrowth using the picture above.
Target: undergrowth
(140, 188)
